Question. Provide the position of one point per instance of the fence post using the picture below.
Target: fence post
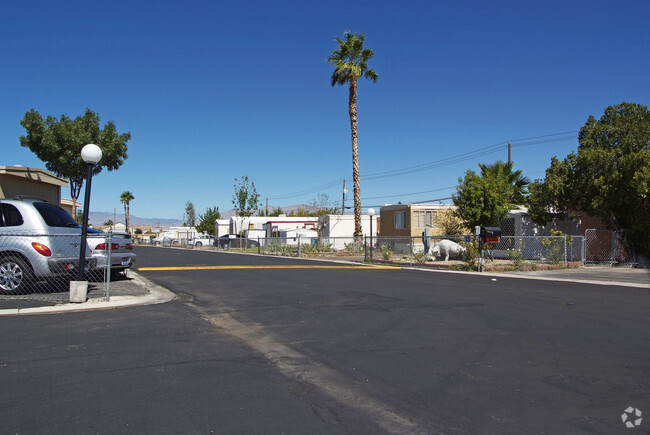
(299, 245)
(612, 255)
(565, 252)
(109, 246)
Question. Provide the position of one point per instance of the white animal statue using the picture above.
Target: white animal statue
(447, 248)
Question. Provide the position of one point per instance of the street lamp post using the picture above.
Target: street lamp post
(371, 213)
(91, 154)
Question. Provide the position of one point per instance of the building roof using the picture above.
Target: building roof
(35, 174)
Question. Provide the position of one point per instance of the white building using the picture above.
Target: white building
(221, 227)
(338, 230)
(295, 236)
(241, 225)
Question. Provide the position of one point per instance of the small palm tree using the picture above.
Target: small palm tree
(351, 62)
(515, 179)
(125, 199)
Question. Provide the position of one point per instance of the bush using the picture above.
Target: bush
(354, 247)
(386, 253)
(471, 257)
(555, 246)
(317, 247)
(420, 257)
(516, 259)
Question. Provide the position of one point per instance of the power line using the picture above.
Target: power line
(491, 149)
(409, 194)
(428, 201)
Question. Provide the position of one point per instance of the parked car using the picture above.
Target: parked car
(165, 239)
(38, 241)
(236, 241)
(201, 241)
(122, 255)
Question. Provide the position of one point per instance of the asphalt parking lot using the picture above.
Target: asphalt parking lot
(252, 344)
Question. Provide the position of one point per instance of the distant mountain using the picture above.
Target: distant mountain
(98, 218)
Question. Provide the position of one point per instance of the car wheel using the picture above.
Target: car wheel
(15, 274)
(198, 244)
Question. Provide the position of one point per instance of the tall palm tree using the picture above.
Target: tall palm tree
(125, 199)
(350, 63)
(516, 181)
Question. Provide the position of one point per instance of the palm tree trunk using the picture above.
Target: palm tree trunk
(126, 215)
(358, 232)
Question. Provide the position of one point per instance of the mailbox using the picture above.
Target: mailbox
(491, 234)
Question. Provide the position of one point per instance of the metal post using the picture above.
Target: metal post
(81, 273)
(371, 260)
(109, 247)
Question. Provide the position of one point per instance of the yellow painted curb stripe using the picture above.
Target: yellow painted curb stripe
(266, 267)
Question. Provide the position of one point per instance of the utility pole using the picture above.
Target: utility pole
(509, 152)
(343, 202)
(267, 205)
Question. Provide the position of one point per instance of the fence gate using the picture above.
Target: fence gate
(606, 247)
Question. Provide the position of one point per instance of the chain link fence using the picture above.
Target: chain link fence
(596, 247)
(510, 250)
(303, 246)
(41, 266)
(605, 247)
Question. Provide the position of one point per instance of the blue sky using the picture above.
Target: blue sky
(212, 91)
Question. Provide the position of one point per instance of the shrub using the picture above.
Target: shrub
(420, 257)
(354, 247)
(516, 259)
(555, 246)
(471, 256)
(317, 247)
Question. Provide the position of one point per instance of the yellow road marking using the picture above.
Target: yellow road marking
(265, 267)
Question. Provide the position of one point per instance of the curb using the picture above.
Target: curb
(155, 295)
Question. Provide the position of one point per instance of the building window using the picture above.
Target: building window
(400, 220)
(424, 219)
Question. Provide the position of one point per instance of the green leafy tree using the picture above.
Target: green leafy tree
(450, 224)
(58, 143)
(350, 61)
(125, 198)
(486, 199)
(608, 177)
(245, 200)
(108, 223)
(208, 220)
(277, 211)
(190, 214)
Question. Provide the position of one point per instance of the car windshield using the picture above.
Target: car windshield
(55, 216)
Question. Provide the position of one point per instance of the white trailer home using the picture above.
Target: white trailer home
(338, 230)
(241, 225)
(221, 227)
(294, 236)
